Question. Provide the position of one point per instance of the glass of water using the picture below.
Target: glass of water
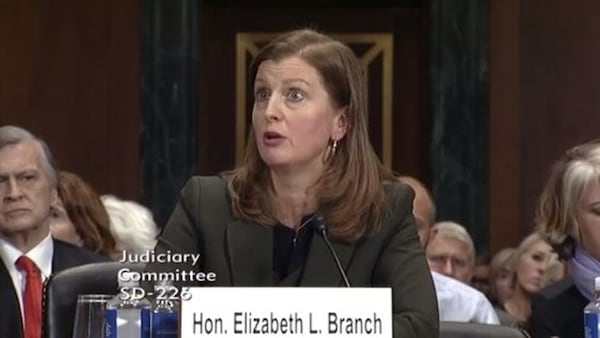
(89, 316)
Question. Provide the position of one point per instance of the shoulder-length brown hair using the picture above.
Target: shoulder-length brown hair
(570, 179)
(86, 212)
(350, 191)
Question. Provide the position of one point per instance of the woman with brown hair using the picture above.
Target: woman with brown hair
(308, 165)
(79, 217)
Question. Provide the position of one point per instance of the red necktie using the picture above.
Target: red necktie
(32, 297)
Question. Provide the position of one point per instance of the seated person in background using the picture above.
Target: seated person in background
(423, 208)
(528, 265)
(501, 285)
(481, 275)
(457, 301)
(555, 272)
(79, 217)
(451, 252)
(132, 226)
(568, 215)
(308, 156)
(501, 276)
(28, 254)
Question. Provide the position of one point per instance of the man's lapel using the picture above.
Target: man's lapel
(10, 317)
(60, 261)
(250, 249)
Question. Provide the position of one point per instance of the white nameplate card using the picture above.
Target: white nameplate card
(287, 312)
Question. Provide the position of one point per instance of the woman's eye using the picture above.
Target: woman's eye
(261, 95)
(538, 258)
(295, 95)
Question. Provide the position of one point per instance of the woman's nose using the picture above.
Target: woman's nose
(272, 109)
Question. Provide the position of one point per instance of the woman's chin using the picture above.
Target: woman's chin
(277, 163)
(532, 288)
(275, 160)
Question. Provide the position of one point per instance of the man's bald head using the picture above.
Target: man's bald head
(423, 207)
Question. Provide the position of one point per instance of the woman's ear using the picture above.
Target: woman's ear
(340, 125)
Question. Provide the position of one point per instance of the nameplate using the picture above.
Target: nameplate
(287, 312)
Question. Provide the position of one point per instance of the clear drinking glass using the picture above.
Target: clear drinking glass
(89, 316)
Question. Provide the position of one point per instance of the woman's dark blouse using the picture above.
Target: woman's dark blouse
(290, 250)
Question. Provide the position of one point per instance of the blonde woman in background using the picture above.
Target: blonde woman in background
(528, 264)
(555, 272)
(569, 217)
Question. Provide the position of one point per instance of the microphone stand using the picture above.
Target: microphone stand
(321, 228)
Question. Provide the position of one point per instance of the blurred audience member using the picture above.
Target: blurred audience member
(423, 208)
(131, 224)
(481, 275)
(555, 272)
(528, 264)
(28, 253)
(456, 301)
(569, 218)
(79, 217)
(451, 252)
(501, 276)
(61, 226)
(459, 302)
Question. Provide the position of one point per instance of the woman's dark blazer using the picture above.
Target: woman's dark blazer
(241, 253)
(557, 311)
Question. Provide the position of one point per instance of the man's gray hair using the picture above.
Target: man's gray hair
(448, 229)
(13, 135)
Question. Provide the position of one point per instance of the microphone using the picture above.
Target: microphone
(319, 225)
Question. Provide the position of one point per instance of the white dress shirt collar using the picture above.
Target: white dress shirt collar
(41, 254)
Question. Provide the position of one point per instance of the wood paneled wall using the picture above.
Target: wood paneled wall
(408, 23)
(69, 72)
(545, 98)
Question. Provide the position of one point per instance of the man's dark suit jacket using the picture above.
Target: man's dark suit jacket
(558, 311)
(241, 253)
(65, 256)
